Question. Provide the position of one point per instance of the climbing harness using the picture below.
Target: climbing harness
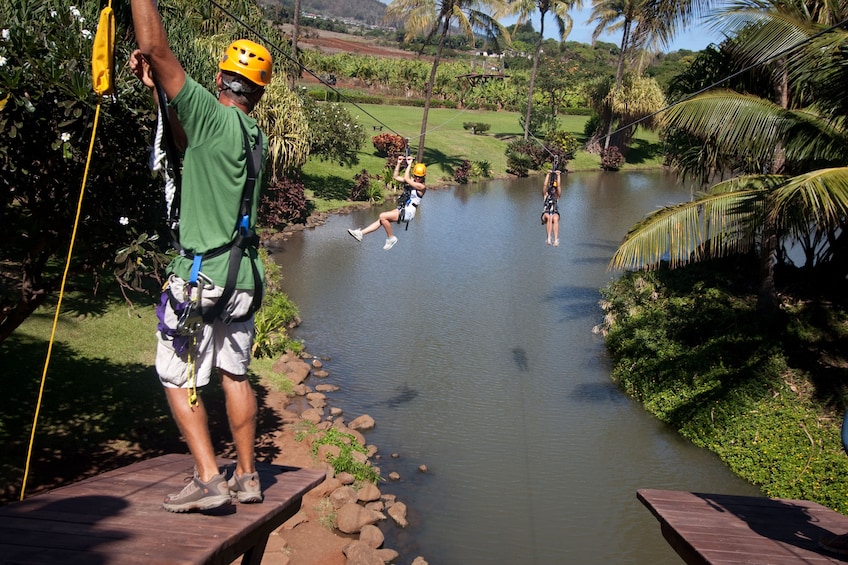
(191, 317)
(406, 198)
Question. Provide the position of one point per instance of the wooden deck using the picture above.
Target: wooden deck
(117, 517)
(730, 530)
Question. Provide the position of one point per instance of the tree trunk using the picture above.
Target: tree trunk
(295, 34)
(767, 301)
(533, 75)
(429, 93)
(619, 75)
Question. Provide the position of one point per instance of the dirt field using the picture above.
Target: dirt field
(330, 42)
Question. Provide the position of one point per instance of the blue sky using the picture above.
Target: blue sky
(693, 39)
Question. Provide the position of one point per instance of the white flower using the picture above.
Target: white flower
(86, 34)
(74, 11)
(2, 61)
(123, 220)
(52, 13)
(66, 137)
(5, 35)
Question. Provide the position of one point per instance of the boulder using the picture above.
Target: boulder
(368, 493)
(372, 536)
(364, 422)
(397, 512)
(342, 495)
(359, 553)
(352, 517)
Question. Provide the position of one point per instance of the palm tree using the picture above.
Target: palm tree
(804, 197)
(559, 9)
(614, 15)
(437, 16)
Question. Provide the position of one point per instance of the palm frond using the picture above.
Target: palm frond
(718, 224)
(736, 122)
(820, 196)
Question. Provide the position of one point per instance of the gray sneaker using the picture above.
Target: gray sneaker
(198, 495)
(357, 234)
(246, 488)
(390, 242)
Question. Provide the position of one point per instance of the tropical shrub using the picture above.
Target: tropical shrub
(462, 172)
(389, 145)
(334, 135)
(481, 169)
(283, 202)
(47, 110)
(271, 322)
(611, 158)
(476, 127)
(535, 153)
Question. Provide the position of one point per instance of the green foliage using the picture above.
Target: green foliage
(46, 126)
(481, 169)
(476, 128)
(334, 134)
(141, 264)
(542, 119)
(344, 461)
(611, 158)
(690, 345)
(271, 322)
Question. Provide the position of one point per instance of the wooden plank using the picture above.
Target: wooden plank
(117, 517)
(718, 529)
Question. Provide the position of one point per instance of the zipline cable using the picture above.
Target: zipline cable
(102, 63)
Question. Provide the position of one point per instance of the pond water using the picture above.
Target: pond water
(471, 344)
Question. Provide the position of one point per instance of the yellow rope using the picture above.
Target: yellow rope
(102, 80)
(59, 305)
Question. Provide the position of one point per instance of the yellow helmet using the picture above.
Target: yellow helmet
(419, 170)
(248, 59)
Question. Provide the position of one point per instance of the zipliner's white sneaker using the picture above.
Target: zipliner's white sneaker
(357, 234)
(390, 242)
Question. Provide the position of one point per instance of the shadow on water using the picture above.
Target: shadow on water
(405, 395)
(574, 302)
(598, 393)
(519, 355)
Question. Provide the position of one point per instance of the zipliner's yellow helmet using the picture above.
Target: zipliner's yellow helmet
(419, 170)
(248, 59)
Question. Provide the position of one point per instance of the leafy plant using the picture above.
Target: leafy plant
(271, 321)
(344, 461)
(462, 172)
(389, 145)
(361, 183)
(335, 135)
(139, 264)
(476, 127)
(481, 169)
(283, 202)
(611, 158)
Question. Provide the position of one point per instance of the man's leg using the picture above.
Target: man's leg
(194, 426)
(241, 413)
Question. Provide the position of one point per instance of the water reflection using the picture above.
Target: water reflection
(470, 344)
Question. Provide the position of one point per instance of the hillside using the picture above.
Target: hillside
(369, 12)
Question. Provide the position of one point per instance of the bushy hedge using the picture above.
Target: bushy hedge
(761, 393)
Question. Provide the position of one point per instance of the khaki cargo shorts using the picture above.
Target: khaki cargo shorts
(226, 346)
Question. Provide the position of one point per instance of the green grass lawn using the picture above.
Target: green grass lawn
(447, 144)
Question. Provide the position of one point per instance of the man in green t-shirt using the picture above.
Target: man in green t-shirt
(216, 135)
